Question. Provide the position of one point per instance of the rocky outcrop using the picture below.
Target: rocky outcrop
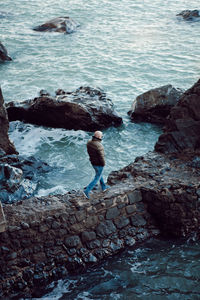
(60, 24)
(5, 143)
(4, 54)
(170, 187)
(189, 15)
(154, 106)
(182, 130)
(86, 109)
(2, 219)
(19, 177)
(50, 237)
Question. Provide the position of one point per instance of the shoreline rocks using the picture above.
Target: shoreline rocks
(5, 144)
(60, 24)
(182, 130)
(4, 54)
(48, 238)
(154, 106)
(84, 109)
(190, 15)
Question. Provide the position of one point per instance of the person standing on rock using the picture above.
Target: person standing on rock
(97, 158)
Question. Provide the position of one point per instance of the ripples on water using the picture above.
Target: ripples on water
(126, 48)
(158, 270)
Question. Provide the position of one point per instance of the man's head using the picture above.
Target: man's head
(98, 135)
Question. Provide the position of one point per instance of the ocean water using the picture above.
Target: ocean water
(125, 47)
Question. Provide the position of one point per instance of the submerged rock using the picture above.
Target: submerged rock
(189, 14)
(60, 24)
(4, 54)
(182, 130)
(5, 144)
(19, 177)
(154, 106)
(86, 109)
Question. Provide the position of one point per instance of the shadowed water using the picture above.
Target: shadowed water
(158, 270)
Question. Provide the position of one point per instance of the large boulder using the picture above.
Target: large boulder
(154, 106)
(189, 15)
(182, 130)
(86, 109)
(5, 143)
(4, 54)
(60, 24)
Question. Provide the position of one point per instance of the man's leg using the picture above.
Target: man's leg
(98, 173)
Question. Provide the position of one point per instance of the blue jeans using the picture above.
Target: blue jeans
(98, 177)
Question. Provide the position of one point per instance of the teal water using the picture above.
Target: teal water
(124, 47)
(159, 270)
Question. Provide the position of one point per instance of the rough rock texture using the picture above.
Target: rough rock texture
(19, 177)
(60, 24)
(86, 108)
(170, 187)
(5, 143)
(2, 219)
(189, 14)
(154, 106)
(182, 130)
(4, 54)
(49, 237)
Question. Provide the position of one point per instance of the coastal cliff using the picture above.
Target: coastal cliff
(49, 237)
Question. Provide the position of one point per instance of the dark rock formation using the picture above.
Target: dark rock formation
(50, 237)
(189, 15)
(60, 24)
(154, 106)
(4, 54)
(19, 177)
(5, 143)
(86, 108)
(170, 187)
(182, 130)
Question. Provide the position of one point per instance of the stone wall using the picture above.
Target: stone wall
(48, 237)
(2, 219)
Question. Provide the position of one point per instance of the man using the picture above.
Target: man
(97, 159)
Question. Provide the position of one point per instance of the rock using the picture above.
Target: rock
(4, 54)
(85, 109)
(154, 106)
(189, 15)
(19, 177)
(182, 130)
(5, 143)
(60, 24)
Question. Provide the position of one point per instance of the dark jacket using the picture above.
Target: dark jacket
(96, 152)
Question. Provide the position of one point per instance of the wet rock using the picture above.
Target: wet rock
(85, 109)
(19, 176)
(189, 15)
(60, 24)
(4, 54)
(121, 222)
(88, 236)
(5, 143)
(182, 130)
(104, 229)
(138, 221)
(154, 106)
(72, 241)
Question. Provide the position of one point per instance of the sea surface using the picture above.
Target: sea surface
(124, 47)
